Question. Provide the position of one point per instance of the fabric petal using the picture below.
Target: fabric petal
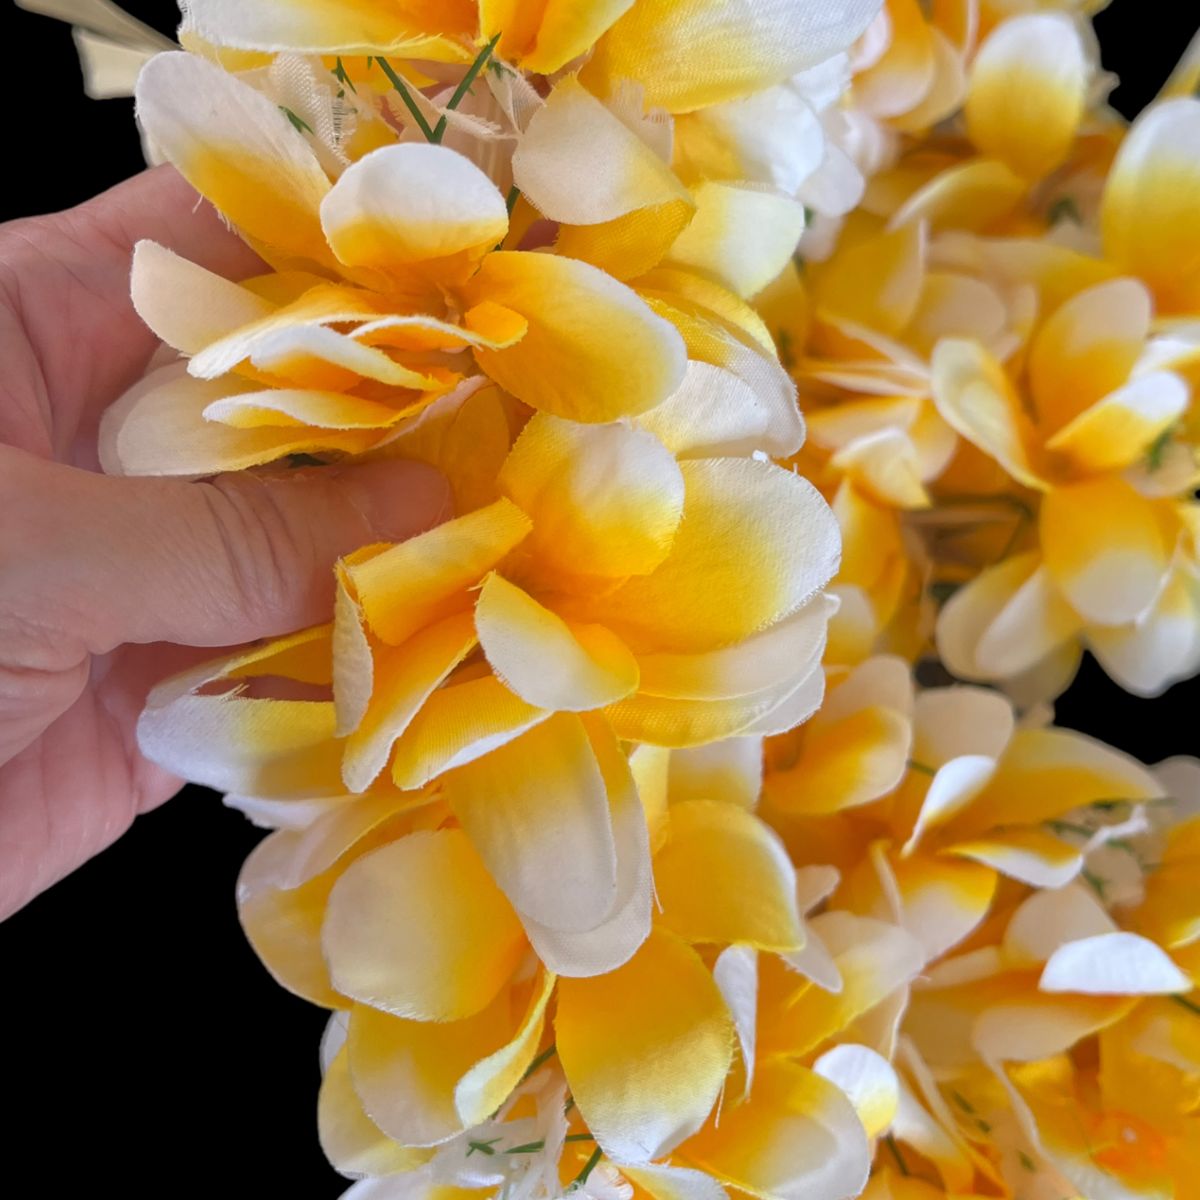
(419, 929)
(1151, 205)
(537, 811)
(413, 583)
(645, 1048)
(748, 894)
(741, 236)
(690, 55)
(236, 148)
(1113, 964)
(1106, 547)
(605, 500)
(797, 1136)
(412, 203)
(564, 364)
(754, 544)
(1027, 90)
(546, 661)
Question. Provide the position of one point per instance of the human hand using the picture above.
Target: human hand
(107, 585)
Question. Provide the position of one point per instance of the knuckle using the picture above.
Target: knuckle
(266, 550)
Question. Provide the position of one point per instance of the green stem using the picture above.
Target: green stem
(588, 1168)
(406, 96)
(545, 1055)
(891, 1145)
(464, 87)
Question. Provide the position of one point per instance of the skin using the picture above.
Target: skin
(109, 584)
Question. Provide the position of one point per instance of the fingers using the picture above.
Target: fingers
(92, 562)
(66, 278)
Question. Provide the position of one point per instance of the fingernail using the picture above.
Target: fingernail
(398, 499)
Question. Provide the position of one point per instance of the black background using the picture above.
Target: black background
(142, 1046)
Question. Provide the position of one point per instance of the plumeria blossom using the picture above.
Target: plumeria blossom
(1113, 560)
(949, 795)
(441, 1028)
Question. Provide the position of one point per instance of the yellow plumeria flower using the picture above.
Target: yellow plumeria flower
(389, 283)
(948, 795)
(1074, 1014)
(864, 375)
(1113, 560)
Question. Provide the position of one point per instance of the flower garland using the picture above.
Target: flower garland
(611, 822)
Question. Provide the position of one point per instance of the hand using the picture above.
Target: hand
(105, 583)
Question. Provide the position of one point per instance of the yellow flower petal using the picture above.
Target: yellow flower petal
(741, 236)
(419, 929)
(185, 305)
(544, 659)
(574, 136)
(564, 364)
(544, 38)
(604, 500)
(614, 941)
(458, 724)
(412, 203)
(422, 1082)
(699, 52)
(748, 894)
(645, 1048)
(736, 565)
(976, 398)
(1151, 206)
(415, 582)
(1087, 348)
(1033, 856)
(1116, 432)
(352, 1142)
(796, 1136)
(971, 196)
(1027, 90)
(158, 428)
(1106, 547)
(895, 260)
(1113, 964)
(237, 149)
(433, 29)
(537, 811)
(867, 1079)
(405, 677)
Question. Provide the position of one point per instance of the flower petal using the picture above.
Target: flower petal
(976, 398)
(413, 583)
(797, 1136)
(405, 677)
(564, 364)
(1113, 964)
(1026, 93)
(755, 543)
(645, 1048)
(1087, 348)
(185, 305)
(700, 52)
(548, 662)
(748, 893)
(1151, 205)
(605, 500)
(419, 929)
(868, 1080)
(1106, 547)
(742, 236)
(458, 724)
(537, 810)
(236, 148)
(412, 203)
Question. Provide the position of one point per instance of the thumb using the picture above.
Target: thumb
(92, 562)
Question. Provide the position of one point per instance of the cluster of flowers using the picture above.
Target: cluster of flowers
(610, 821)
